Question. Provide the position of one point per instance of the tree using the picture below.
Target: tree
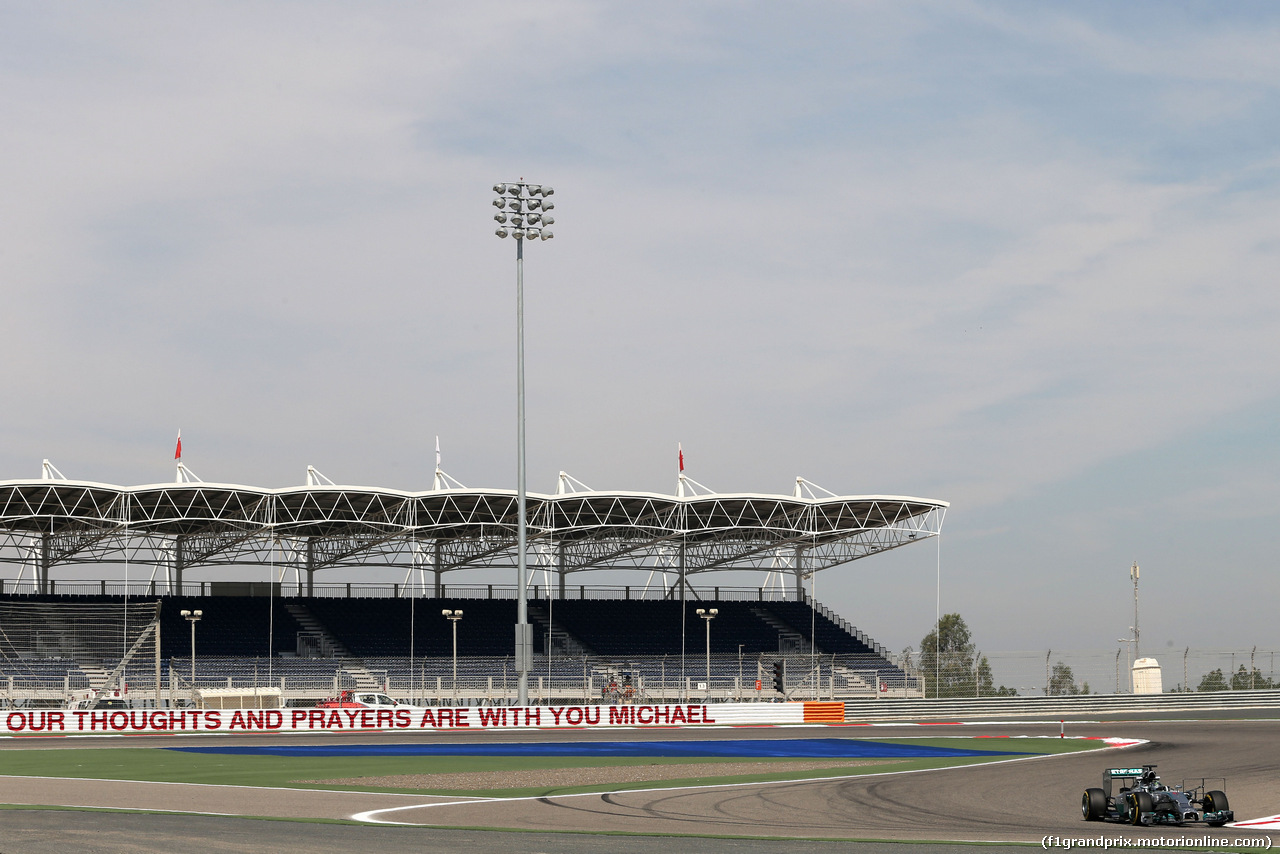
(986, 685)
(946, 659)
(1062, 681)
(1243, 680)
(1213, 681)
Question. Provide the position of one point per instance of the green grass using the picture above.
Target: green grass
(160, 765)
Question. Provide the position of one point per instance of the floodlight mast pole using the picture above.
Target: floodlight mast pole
(708, 616)
(453, 617)
(524, 631)
(522, 205)
(193, 617)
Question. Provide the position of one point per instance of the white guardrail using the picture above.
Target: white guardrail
(58, 722)
(1058, 707)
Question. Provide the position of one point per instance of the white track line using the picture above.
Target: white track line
(371, 816)
(1271, 822)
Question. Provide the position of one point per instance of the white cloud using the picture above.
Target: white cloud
(974, 251)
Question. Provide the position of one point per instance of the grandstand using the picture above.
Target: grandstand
(312, 647)
(310, 639)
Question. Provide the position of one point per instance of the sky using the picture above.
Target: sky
(1017, 257)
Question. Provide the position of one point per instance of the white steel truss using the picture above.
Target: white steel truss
(53, 522)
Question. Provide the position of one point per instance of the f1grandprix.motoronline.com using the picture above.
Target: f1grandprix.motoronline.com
(1136, 796)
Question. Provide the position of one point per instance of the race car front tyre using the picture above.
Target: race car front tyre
(1139, 803)
(1216, 801)
(1093, 805)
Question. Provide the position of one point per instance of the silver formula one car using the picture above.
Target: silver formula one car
(1136, 796)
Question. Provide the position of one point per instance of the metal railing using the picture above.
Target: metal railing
(584, 679)
(1054, 708)
(391, 590)
(627, 682)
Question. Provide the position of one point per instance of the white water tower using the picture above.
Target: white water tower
(1146, 677)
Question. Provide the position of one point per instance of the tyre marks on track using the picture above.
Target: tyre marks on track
(1018, 800)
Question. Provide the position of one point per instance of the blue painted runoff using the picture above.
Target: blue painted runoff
(799, 748)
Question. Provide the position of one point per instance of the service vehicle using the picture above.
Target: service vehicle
(362, 700)
(1136, 796)
(102, 704)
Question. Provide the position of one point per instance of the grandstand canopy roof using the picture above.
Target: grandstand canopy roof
(50, 522)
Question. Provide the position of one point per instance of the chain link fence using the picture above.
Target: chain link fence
(1095, 671)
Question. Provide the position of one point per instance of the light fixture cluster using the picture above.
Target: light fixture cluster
(522, 211)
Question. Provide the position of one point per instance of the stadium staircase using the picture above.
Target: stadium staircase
(97, 676)
(789, 640)
(561, 641)
(854, 677)
(315, 637)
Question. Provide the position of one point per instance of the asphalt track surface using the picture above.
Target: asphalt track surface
(1014, 802)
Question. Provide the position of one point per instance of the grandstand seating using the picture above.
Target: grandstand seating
(380, 627)
(644, 638)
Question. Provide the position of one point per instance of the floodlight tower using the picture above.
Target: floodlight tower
(523, 207)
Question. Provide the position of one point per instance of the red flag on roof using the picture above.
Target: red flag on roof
(177, 454)
(681, 450)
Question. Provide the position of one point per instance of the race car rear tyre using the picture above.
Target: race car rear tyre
(1215, 801)
(1093, 805)
(1139, 803)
